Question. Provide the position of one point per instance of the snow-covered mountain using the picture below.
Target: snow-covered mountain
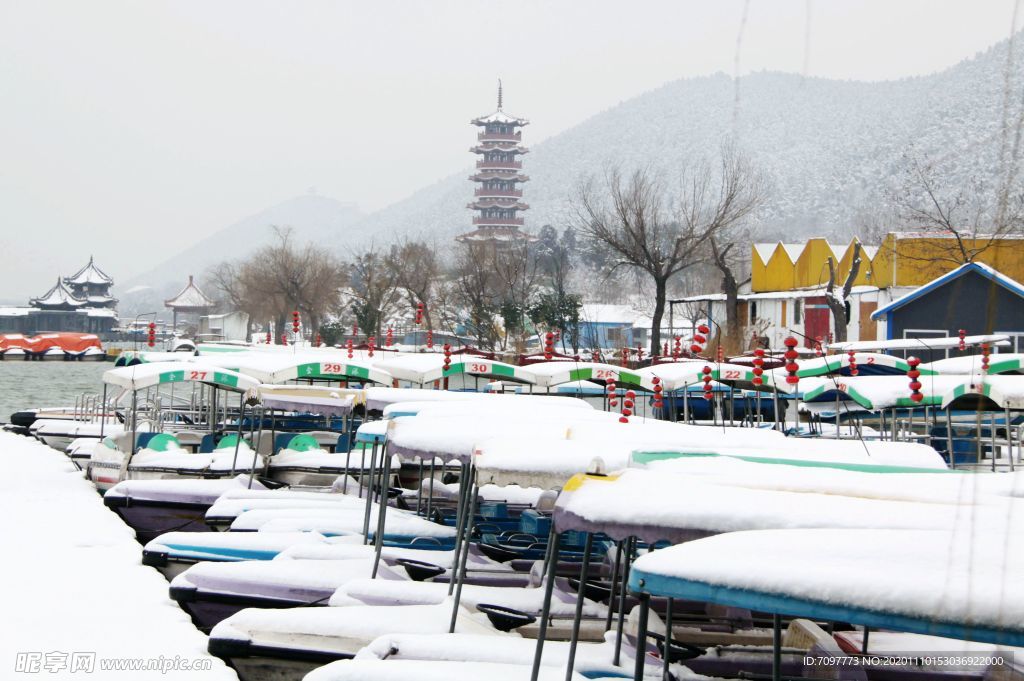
(830, 147)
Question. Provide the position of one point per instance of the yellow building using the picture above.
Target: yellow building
(904, 259)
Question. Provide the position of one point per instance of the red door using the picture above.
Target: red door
(817, 322)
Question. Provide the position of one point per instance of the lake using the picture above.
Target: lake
(25, 385)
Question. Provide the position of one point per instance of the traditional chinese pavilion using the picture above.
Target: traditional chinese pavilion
(498, 197)
(80, 303)
(189, 301)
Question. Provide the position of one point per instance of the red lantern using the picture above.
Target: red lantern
(913, 374)
(295, 322)
(389, 337)
(318, 340)
(549, 345)
(791, 366)
(627, 406)
(677, 348)
(708, 391)
(817, 346)
(721, 354)
(430, 339)
(270, 339)
(963, 334)
(596, 357)
(447, 356)
(612, 394)
(419, 313)
(355, 330)
(625, 356)
(664, 349)
(370, 343)
(349, 346)
(639, 353)
(152, 334)
(284, 339)
(758, 369)
(659, 403)
(853, 362)
(984, 358)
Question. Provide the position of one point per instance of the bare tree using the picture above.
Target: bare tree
(970, 215)
(661, 232)
(417, 270)
(839, 303)
(281, 277)
(373, 285)
(474, 285)
(516, 276)
(727, 259)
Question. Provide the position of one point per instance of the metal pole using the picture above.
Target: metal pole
(665, 675)
(238, 434)
(369, 495)
(776, 647)
(549, 585)
(430, 495)
(611, 594)
(378, 539)
(622, 601)
(463, 557)
(949, 438)
(103, 411)
(1009, 438)
(460, 516)
(641, 635)
(578, 617)
(419, 493)
(992, 439)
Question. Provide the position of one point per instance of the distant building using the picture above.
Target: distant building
(498, 197)
(612, 327)
(973, 297)
(189, 301)
(81, 303)
(786, 293)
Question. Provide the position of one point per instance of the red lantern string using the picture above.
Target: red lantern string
(349, 346)
(984, 358)
(370, 344)
(817, 346)
(791, 366)
(430, 339)
(355, 330)
(549, 345)
(721, 354)
(664, 349)
(596, 357)
(639, 353)
(913, 374)
(708, 391)
(963, 335)
(659, 403)
(758, 369)
(419, 313)
(627, 406)
(612, 395)
(853, 363)
(624, 354)
(269, 338)
(295, 322)
(700, 338)
(677, 348)
(152, 334)
(284, 339)
(447, 356)
(389, 337)
(318, 340)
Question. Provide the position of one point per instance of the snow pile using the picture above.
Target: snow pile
(76, 585)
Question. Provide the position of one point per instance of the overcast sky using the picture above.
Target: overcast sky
(130, 129)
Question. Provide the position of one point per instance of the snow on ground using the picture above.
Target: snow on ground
(74, 584)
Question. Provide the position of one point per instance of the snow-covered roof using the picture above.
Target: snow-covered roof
(189, 297)
(90, 274)
(793, 250)
(500, 116)
(60, 294)
(764, 251)
(984, 270)
(496, 234)
(601, 313)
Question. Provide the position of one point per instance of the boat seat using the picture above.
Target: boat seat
(228, 442)
(158, 442)
(207, 443)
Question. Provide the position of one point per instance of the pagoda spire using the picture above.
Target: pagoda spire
(499, 94)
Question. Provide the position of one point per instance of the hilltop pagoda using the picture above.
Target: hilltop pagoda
(498, 198)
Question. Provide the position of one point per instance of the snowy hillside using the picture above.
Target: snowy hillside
(830, 147)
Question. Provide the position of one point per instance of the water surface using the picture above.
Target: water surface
(26, 385)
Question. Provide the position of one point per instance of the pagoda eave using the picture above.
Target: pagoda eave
(479, 149)
(482, 177)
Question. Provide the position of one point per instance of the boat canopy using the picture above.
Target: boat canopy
(489, 368)
(868, 364)
(1000, 363)
(419, 368)
(658, 505)
(548, 374)
(680, 375)
(987, 393)
(878, 392)
(962, 584)
(920, 344)
(325, 406)
(158, 373)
